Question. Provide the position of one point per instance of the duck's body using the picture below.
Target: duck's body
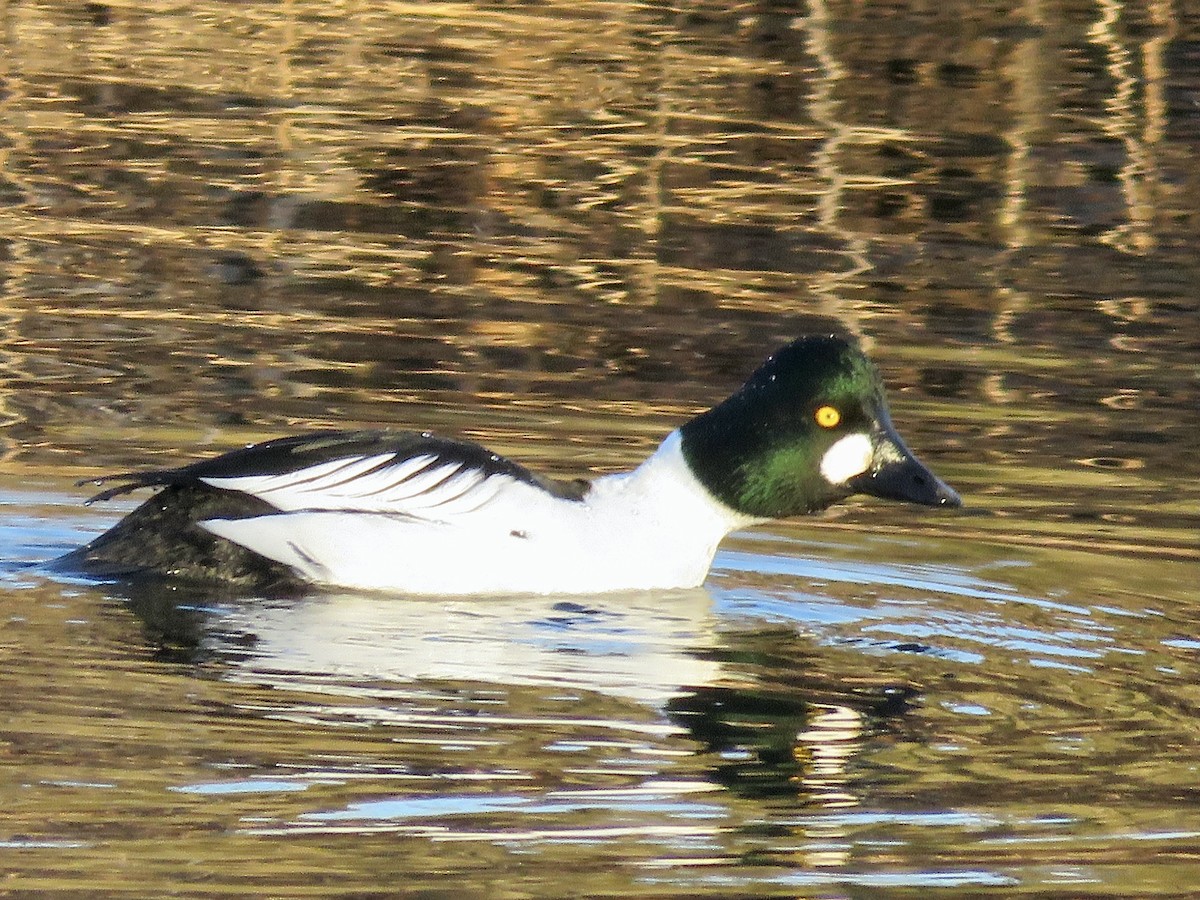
(414, 513)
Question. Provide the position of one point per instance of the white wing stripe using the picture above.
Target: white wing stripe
(316, 479)
(422, 482)
(474, 496)
(254, 483)
(371, 484)
(420, 486)
(410, 466)
(351, 473)
(444, 491)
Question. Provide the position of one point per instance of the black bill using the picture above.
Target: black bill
(898, 475)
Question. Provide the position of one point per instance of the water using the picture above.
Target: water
(561, 229)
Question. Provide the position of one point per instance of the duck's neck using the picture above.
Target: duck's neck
(665, 488)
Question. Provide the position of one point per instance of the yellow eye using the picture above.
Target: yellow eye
(827, 417)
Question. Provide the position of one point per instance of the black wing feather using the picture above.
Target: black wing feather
(288, 454)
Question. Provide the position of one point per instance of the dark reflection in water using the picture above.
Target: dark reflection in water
(561, 230)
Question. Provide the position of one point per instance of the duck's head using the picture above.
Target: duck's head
(809, 428)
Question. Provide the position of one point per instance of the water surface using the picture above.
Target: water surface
(561, 230)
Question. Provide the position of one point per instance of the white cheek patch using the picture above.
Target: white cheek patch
(848, 457)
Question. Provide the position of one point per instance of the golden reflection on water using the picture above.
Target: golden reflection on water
(562, 229)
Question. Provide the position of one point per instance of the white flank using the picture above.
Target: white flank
(848, 457)
(654, 527)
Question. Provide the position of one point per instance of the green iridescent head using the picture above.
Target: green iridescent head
(809, 428)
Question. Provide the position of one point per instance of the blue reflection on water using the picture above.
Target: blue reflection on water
(412, 808)
(933, 610)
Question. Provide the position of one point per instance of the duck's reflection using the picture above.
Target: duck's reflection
(775, 742)
(764, 731)
(641, 646)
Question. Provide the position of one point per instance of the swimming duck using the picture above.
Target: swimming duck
(415, 513)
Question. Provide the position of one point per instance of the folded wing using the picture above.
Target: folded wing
(401, 473)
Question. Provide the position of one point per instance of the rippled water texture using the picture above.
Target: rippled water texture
(560, 230)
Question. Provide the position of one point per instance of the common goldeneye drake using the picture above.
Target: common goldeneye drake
(414, 513)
